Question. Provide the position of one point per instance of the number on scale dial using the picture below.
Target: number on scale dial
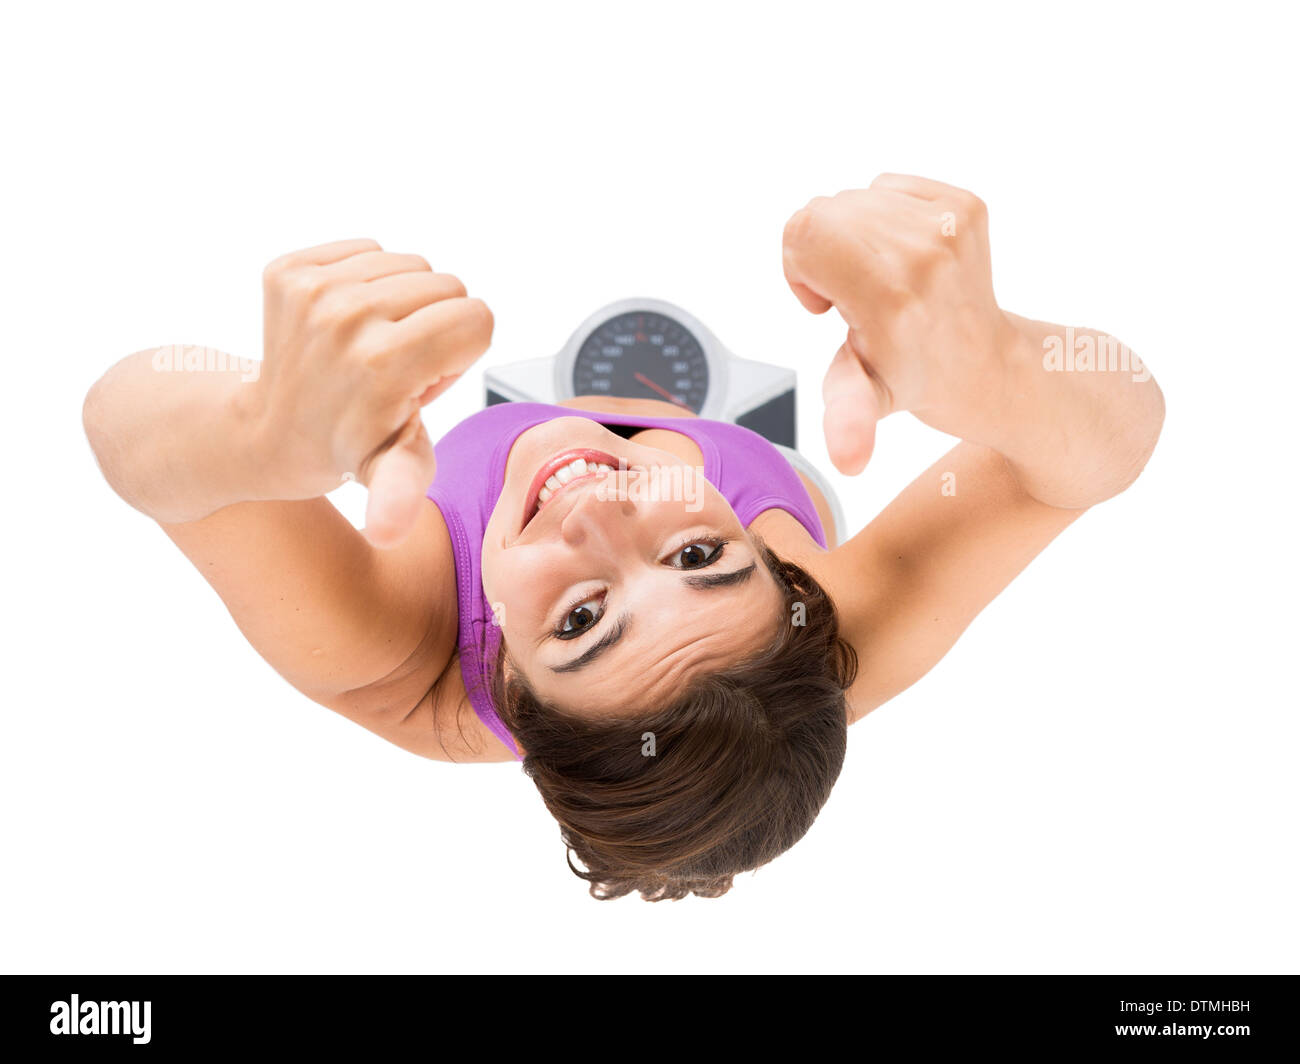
(643, 355)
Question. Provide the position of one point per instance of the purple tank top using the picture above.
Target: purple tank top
(750, 473)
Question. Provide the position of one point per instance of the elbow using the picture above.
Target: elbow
(101, 416)
(1157, 417)
(95, 424)
(93, 419)
(1142, 432)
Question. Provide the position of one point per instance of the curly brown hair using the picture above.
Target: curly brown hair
(732, 773)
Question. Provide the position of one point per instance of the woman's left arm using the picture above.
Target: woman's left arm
(235, 470)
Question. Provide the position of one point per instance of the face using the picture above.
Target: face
(602, 592)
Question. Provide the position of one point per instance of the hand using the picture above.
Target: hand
(906, 264)
(357, 340)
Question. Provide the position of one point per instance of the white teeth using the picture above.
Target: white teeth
(578, 467)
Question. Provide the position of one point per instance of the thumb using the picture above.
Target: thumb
(397, 484)
(853, 405)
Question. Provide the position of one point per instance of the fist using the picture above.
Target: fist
(906, 264)
(355, 341)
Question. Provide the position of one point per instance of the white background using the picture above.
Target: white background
(1100, 777)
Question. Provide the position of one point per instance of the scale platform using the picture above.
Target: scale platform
(646, 348)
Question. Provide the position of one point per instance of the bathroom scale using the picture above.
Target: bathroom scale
(653, 349)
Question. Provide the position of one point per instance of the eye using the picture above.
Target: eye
(579, 617)
(584, 614)
(697, 554)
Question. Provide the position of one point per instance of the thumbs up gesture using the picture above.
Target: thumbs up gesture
(906, 264)
(356, 340)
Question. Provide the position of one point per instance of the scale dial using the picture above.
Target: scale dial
(643, 354)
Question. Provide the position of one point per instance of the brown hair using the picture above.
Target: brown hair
(743, 759)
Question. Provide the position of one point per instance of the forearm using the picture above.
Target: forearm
(1079, 416)
(176, 445)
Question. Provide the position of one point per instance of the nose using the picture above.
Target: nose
(602, 519)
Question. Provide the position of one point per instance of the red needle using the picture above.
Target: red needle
(651, 384)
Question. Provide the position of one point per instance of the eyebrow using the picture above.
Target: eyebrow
(707, 581)
(699, 582)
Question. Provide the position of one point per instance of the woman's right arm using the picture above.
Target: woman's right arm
(224, 462)
(906, 263)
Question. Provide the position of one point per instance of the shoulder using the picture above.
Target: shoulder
(432, 719)
(443, 725)
(457, 732)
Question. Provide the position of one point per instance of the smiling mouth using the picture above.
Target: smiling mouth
(562, 469)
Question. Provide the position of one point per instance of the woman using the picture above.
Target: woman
(676, 669)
